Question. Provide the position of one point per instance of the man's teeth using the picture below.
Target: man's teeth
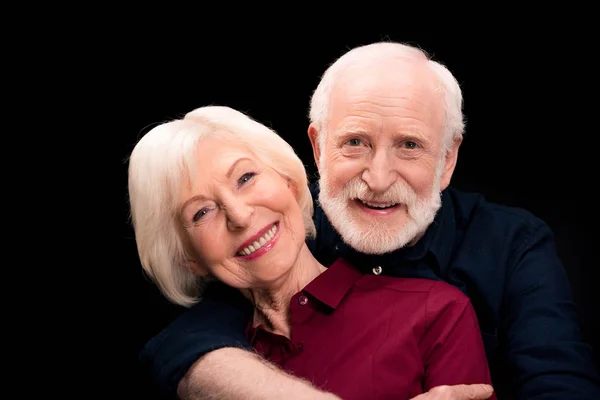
(380, 205)
(257, 244)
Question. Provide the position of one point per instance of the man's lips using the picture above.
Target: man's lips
(377, 208)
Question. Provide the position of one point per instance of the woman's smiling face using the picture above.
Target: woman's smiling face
(241, 218)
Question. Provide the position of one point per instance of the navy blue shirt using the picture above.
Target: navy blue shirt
(503, 258)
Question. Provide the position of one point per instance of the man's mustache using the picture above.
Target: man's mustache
(398, 193)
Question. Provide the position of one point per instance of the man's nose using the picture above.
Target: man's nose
(239, 215)
(379, 174)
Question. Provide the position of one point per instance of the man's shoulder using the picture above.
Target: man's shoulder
(473, 211)
(490, 238)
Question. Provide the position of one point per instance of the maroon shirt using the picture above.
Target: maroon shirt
(368, 336)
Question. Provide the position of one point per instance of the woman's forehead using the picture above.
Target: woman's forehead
(221, 153)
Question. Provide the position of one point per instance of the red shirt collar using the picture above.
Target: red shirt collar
(332, 285)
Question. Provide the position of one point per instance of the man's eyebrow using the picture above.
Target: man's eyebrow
(350, 130)
(356, 130)
(412, 134)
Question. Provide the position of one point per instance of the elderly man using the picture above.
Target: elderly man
(386, 127)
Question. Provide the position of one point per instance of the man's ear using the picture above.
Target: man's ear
(313, 135)
(451, 158)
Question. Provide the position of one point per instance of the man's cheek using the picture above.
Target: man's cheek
(344, 172)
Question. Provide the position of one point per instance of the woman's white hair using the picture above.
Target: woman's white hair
(164, 159)
(381, 52)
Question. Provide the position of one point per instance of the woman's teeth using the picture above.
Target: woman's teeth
(257, 244)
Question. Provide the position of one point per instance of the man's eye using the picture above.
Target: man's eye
(411, 145)
(354, 147)
(354, 142)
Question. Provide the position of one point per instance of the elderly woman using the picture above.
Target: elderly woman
(217, 195)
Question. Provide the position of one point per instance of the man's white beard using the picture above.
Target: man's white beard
(378, 237)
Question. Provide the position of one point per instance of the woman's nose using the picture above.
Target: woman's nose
(239, 215)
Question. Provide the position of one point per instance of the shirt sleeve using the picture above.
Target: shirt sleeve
(218, 321)
(546, 357)
(452, 347)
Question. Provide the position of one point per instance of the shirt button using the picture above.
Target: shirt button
(302, 300)
(336, 247)
(377, 270)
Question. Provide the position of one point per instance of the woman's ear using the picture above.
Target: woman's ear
(292, 186)
(194, 267)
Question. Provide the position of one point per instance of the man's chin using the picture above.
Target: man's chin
(368, 243)
(371, 237)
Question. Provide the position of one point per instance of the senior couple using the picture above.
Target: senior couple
(378, 282)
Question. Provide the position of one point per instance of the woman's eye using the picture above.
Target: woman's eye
(202, 212)
(246, 178)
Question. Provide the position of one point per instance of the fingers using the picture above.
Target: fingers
(458, 392)
(472, 392)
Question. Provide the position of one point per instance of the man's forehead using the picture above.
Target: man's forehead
(365, 110)
(386, 77)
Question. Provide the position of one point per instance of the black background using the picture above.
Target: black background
(528, 141)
